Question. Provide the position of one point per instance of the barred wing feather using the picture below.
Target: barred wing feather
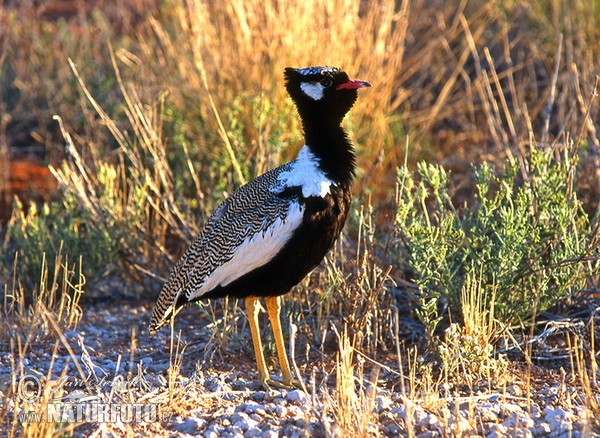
(244, 233)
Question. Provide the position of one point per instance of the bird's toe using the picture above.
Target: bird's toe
(293, 384)
(268, 384)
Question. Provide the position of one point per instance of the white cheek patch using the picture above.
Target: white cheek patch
(312, 90)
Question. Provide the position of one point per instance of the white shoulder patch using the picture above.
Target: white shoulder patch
(304, 172)
(312, 90)
(257, 250)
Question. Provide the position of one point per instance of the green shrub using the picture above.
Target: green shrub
(61, 228)
(524, 237)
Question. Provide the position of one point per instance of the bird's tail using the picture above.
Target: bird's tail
(164, 311)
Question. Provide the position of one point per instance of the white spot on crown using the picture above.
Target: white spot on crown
(316, 70)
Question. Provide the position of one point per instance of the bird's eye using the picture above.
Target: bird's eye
(326, 82)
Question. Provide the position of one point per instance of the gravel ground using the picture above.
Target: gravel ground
(224, 400)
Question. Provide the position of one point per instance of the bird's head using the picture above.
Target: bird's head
(324, 93)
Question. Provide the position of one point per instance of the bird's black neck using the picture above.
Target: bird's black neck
(330, 144)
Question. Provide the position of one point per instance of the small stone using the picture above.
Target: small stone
(272, 395)
(430, 422)
(561, 426)
(296, 396)
(553, 390)
(252, 407)
(535, 412)
(513, 390)
(315, 428)
(235, 432)
(557, 415)
(301, 423)
(292, 431)
(497, 431)
(219, 386)
(509, 408)
(189, 425)
(488, 413)
(239, 385)
(242, 421)
(382, 403)
(547, 410)
(580, 424)
(399, 411)
(426, 434)
(281, 411)
(279, 401)
(270, 433)
(254, 432)
(459, 424)
(541, 429)
(109, 366)
(393, 429)
(211, 433)
(419, 415)
(511, 421)
(295, 412)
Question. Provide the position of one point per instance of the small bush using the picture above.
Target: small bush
(525, 238)
(60, 228)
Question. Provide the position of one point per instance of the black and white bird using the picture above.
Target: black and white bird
(271, 232)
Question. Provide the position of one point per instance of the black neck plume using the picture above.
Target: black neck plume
(330, 144)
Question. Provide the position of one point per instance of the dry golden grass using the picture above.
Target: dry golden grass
(262, 39)
(25, 321)
(165, 113)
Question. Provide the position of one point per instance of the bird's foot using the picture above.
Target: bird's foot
(288, 385)
(295, 384)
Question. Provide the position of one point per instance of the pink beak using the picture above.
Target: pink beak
(353, 84)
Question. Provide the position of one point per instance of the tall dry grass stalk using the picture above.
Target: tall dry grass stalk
(58, 293)
(349, 409)
(350, 290)
(135, 197)
(225, 51)
(584, 374)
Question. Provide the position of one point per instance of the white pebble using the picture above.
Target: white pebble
(382, 403)
(281, 411)
(296, 396)
(497, 431)
(509, 408)
(253, 407)
(211, 433)
(270, 433)
(189, 425)
(430, 422)
(558, 414)
(542, 429)
(243, 421)
(254, 432)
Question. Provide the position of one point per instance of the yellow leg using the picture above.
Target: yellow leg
(274, 308)
(253, 307)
